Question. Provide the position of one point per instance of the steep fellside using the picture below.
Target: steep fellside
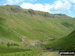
(65, 44)
(16, 23)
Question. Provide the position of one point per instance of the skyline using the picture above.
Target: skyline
(52, 6)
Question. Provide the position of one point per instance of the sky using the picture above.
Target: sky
(52, 6)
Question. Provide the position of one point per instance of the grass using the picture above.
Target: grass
(17, 23)
(19, 51)
(64, 44)
(38, 26)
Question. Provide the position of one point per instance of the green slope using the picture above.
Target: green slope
(27, 27)
(65, 44)
(16, 23)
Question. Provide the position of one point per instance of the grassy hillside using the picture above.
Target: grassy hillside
(19, 51)
(16, 22)
(65, 44)
(28, 28)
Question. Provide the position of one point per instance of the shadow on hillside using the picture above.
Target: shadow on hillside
(13, 50)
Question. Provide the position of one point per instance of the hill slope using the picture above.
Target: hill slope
(16, 23)
(66, 43)
(21, 30)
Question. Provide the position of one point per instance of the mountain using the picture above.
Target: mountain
(22, 31)
(65, 44)
(16, 22)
